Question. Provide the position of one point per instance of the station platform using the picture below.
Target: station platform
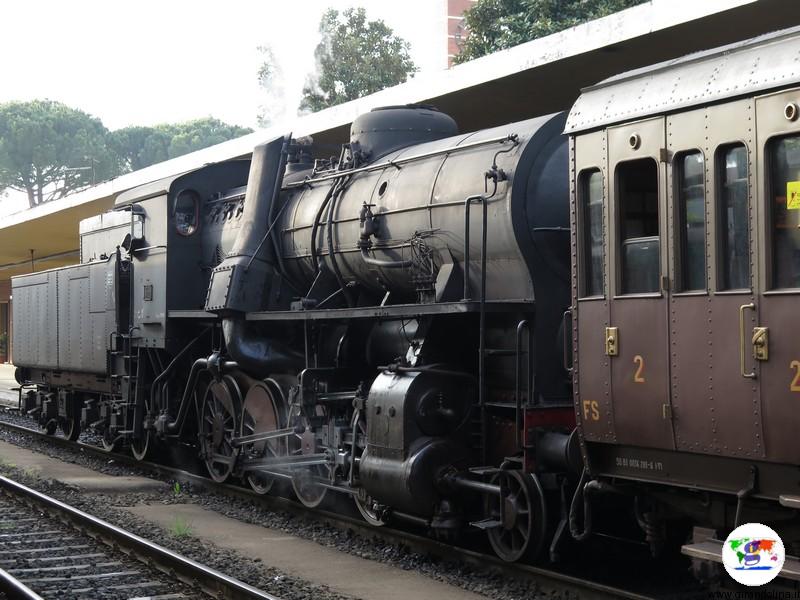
(8, 395)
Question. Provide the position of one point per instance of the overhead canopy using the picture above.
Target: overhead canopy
(535, 78)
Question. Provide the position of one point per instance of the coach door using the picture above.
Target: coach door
(712, 306)
(773, 344)
(591, 316)
(637, 340)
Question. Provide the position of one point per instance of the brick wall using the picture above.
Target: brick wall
(456, 33)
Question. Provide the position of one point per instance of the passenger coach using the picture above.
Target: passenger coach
(686, 273)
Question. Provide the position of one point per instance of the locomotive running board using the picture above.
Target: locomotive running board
(712, 550)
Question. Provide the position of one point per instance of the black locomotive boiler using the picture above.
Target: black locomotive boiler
(366, 325)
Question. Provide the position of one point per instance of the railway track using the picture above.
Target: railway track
(51, 550)
(548, 579)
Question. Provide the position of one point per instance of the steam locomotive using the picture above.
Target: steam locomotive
(484, 330)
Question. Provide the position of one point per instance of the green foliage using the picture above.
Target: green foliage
(48, 150)
(138, 147)
(498, 24)
(176, 488)
(355, 57)
(181, 528)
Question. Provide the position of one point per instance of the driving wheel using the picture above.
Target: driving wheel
(306, 479)
(140, 448)
(263, 411)
(219, 418)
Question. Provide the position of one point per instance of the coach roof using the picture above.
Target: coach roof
(755, 65)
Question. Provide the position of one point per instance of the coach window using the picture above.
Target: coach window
(637, 202)
(690, 192)
(733, 220)
(784, 158)
(591, 228)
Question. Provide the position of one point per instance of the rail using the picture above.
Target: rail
(185, 569)
(13, 588)
(546, 577)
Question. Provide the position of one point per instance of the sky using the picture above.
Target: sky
(166, 61)
(152, 62)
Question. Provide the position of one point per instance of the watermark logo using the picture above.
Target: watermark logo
(753, 554)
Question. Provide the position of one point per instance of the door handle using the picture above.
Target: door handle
(742, 341)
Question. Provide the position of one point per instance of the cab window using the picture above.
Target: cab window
(639, 248)
(733, 220)
(784, 211)
(690, 193)
(590, 197)
(187, 212)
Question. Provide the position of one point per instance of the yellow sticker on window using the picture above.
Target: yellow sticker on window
(793, 195)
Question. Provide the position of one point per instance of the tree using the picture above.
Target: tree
(201, 133)
(355, 57)
(494, 25)
(48, 150)
(137, 147)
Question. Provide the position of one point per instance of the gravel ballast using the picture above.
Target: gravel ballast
(110, 507)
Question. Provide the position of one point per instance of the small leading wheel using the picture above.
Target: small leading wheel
(263, 411)
(140, 448)
(218, 423)
(368, 508)
(522, 513)
(364, 502)
(51, 426)
(71, 427)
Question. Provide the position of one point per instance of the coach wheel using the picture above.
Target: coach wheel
(263, 412)
(140, 448)
(70, 427)
(218, 423)
(522, 516)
